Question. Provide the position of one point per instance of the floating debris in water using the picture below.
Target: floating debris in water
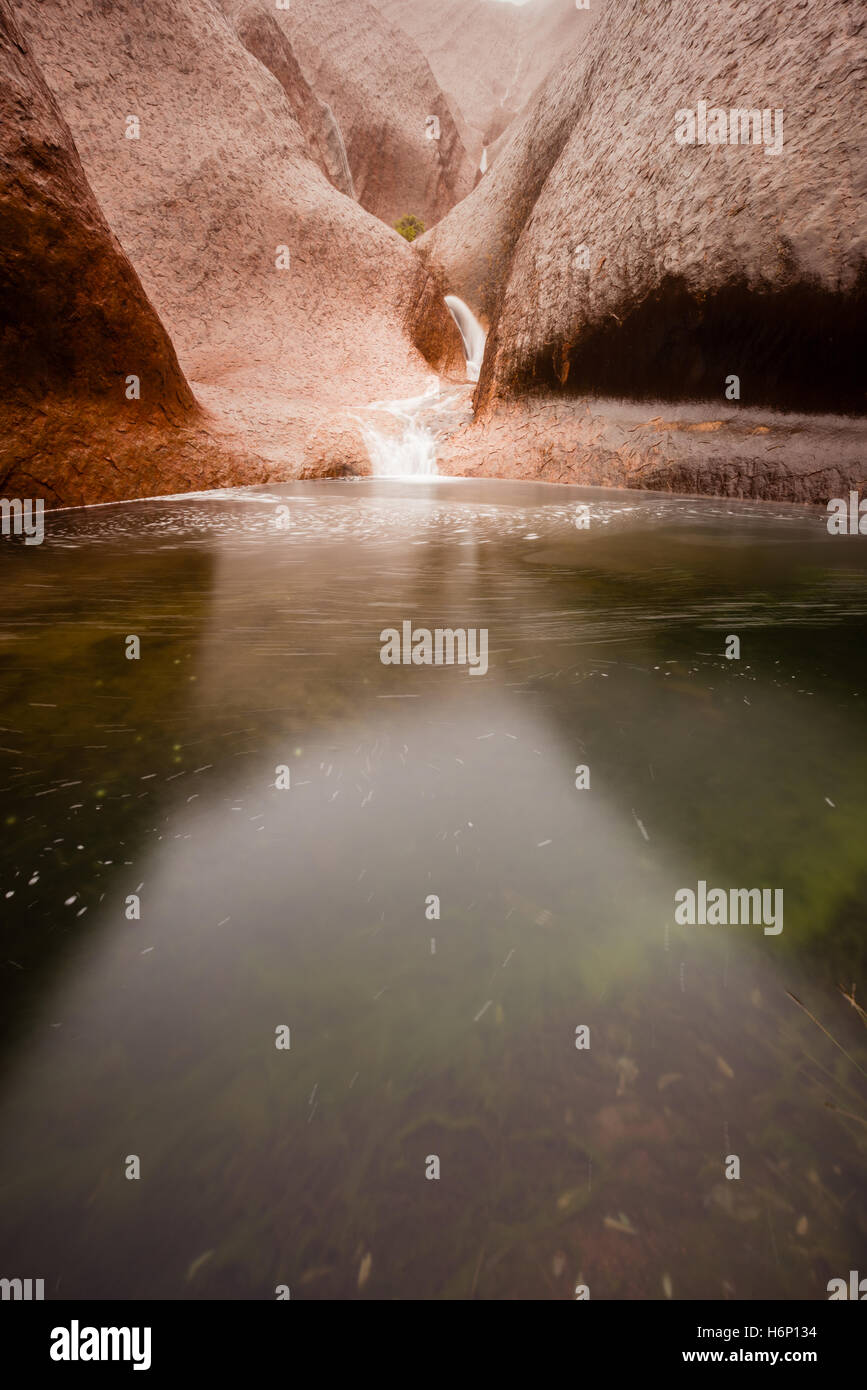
(567, 1199)
(620, 1223)
(627, 1073)
(196, 1265)
(668, 1079)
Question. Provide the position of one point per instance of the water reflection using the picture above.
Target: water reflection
(412, 1035)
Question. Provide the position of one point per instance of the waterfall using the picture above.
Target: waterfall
(483, 167)
(338, 150)
(402, 437)
(471, 332)
(402, 446)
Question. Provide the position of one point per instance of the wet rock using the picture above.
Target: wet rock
(221, 178)
(612, 443)
(336, 450)
(257, 27)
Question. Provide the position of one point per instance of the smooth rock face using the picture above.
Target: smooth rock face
(382, 92)
(76, 323)
(218, 191)
(704, 260)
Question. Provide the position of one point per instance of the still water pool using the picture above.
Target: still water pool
(433, 908)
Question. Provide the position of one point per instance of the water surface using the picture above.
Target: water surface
(306, 907)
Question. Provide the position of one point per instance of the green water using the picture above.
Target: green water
(410, 1036)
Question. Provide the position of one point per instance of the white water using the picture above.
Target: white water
(405, 447)
(402, 437)
(483, 167)
(341, 152)
(472, 334)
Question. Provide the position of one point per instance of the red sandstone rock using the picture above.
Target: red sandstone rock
(703, 260)
(76, 324)
(382, 92)
(220, 178)
(489, 57)
(336, 449)
(256, 26)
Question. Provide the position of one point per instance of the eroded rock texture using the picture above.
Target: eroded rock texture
(256, 25)
(284, 299)
(703, 260)
(77, 324)
(382, 92)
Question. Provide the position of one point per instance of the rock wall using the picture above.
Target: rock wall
(77, 325)
(284, 299)
(610, 258)
(382, 92)
(489, 57)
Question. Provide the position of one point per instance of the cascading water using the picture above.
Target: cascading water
(401, 436)
(401, 446)
(472, 334)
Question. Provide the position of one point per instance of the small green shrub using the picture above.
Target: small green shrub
(409, 226)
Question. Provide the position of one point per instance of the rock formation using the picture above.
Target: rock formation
(383, 94)
(256, 26)
(194, 194)
(489, 57)
(610, 258)
(77, 326)
(284, 299)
